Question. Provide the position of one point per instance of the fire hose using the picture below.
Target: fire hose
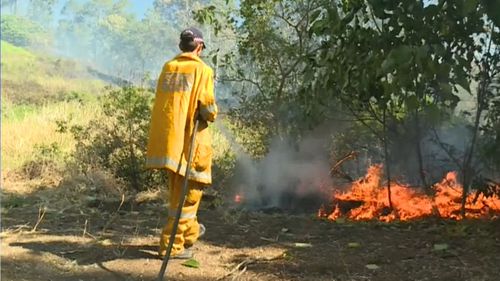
(181, 203)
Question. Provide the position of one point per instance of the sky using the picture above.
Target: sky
(139, 7)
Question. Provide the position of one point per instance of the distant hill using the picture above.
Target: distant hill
(33, 78)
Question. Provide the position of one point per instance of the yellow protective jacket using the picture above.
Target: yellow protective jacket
(185, 87)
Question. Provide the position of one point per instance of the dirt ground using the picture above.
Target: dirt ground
(101, 240)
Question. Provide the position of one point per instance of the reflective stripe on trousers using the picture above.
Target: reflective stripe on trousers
(188, 229)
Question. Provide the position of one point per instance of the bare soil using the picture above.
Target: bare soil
(101, 240)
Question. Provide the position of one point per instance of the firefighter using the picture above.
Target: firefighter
(185, 91)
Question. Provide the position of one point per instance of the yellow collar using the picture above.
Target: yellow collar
(189, 56)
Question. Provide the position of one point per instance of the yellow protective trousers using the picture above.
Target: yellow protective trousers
(188, 229)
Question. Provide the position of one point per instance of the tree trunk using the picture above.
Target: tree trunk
(420, 159)
(467, 169)
(386, 158)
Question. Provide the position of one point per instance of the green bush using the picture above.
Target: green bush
(117, 141)
(223, 168)
(23, 32)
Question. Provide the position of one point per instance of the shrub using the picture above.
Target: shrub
(117, 141)
(44, 162)
(224, 155)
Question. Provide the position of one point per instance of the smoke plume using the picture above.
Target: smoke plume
(291, 176)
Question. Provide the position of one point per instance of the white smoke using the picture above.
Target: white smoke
(288, 174)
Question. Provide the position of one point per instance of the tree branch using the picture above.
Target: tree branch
(445, 149)
(243, 79)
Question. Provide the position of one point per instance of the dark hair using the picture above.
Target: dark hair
(188, 45)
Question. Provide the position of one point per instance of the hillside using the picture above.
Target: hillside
(37, 91)
(32, 78)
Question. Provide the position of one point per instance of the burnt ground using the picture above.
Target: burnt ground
(99, 240)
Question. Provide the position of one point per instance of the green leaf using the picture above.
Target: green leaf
(353, 245)
(440, 247)
(446, 90)
(492, 10)
(315, 15)
(106, 242)
(303, 245)
(372, 266)
(378, 9)
(464, 83)
(387, 66)
(469, 6)
(402, 54)
(433, 113)
(412, 102)
(340, 220)
(318, 27)
(191, 263)
(397, 58)
(214, 59)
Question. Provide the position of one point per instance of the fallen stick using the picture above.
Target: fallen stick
(237, 267)
(239, 274)
(18, 228)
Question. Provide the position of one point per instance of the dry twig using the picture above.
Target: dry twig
(335, 170)
(242, 266)
(41, 215)
(85, 228)
(19, 228)
(115, 214)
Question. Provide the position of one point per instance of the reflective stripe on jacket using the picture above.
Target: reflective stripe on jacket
(184, 87)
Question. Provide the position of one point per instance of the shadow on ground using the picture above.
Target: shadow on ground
(107, 240)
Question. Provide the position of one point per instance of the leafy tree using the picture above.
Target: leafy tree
(273, 47)
(42, 11)
(149, 43)
(406, 60)
(23, 32)
(94, 24)
(396, 67)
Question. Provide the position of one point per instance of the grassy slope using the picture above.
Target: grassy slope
(38, 90)
(29, 78)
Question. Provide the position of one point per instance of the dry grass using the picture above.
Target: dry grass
(22, 133)
(64, 85)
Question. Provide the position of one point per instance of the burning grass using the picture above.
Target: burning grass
(367, 199)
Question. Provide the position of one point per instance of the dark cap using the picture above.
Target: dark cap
(193, 34)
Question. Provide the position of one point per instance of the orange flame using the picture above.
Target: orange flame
(238, 198)
(367, 199)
